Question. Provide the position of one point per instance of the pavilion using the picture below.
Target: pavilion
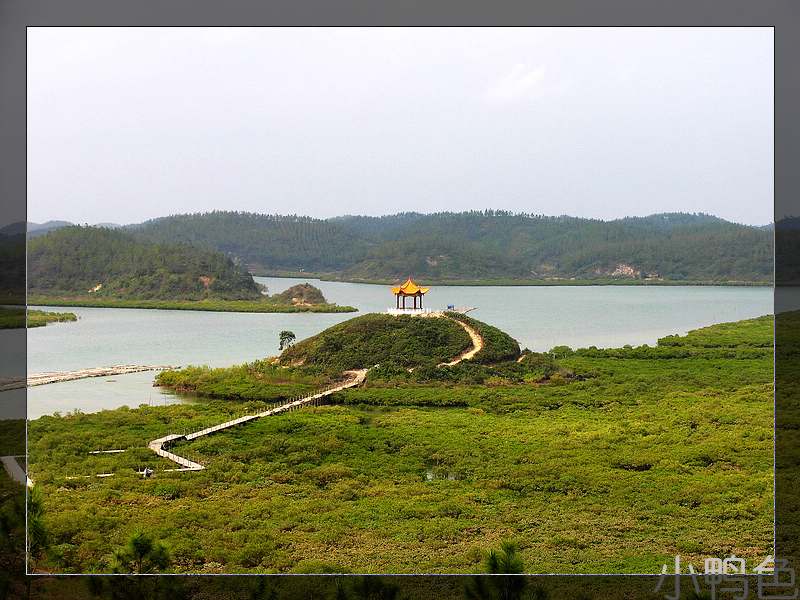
(409, 289)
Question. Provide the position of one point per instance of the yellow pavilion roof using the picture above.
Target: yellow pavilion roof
(409, 288)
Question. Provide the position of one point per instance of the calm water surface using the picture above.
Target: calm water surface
(538, 317)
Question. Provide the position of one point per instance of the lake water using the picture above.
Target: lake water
(538, 317)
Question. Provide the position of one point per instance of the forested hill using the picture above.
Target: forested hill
(74, 260)
(482, 245)
(267, 243)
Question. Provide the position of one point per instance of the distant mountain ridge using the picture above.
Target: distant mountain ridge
(481, 245)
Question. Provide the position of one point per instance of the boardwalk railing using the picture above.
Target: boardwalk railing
(313, 399)
(158, 446)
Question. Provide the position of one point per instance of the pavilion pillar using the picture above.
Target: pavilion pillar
(415, 302)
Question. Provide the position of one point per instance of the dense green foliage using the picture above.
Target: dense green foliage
(264, 381)
(371, 339)
(483, 245)
(74, 260)
(533, 368)
(264, 305)
(618, 471)
(264, 242)
(259, 380)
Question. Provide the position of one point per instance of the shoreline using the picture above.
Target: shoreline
(242, 306)
(502, 282)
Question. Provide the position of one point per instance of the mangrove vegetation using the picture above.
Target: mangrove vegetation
(580, 460)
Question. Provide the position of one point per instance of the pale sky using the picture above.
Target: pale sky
(126, 124)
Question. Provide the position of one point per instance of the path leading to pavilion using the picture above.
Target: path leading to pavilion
(160, 445)
(477, 345)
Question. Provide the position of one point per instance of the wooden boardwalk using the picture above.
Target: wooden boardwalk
(160, 445)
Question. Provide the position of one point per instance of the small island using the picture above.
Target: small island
(99, 267)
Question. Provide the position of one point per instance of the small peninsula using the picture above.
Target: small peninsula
(100, 267)
(13, 317)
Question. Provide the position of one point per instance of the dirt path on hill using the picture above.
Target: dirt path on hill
(477, 345)
(159, 446)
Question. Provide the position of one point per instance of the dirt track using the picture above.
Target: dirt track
(477, 345)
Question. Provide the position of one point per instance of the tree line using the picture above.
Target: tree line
(481, 244)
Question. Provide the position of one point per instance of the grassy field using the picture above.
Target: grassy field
(614, 462)
(259, 306)
(14, 317)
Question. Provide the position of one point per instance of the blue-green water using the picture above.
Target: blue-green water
(538, 317)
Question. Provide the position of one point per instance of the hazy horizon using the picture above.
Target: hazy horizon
(130, 124)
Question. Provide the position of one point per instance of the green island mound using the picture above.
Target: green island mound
(399, 349)
(302, 294)
(402, 341)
